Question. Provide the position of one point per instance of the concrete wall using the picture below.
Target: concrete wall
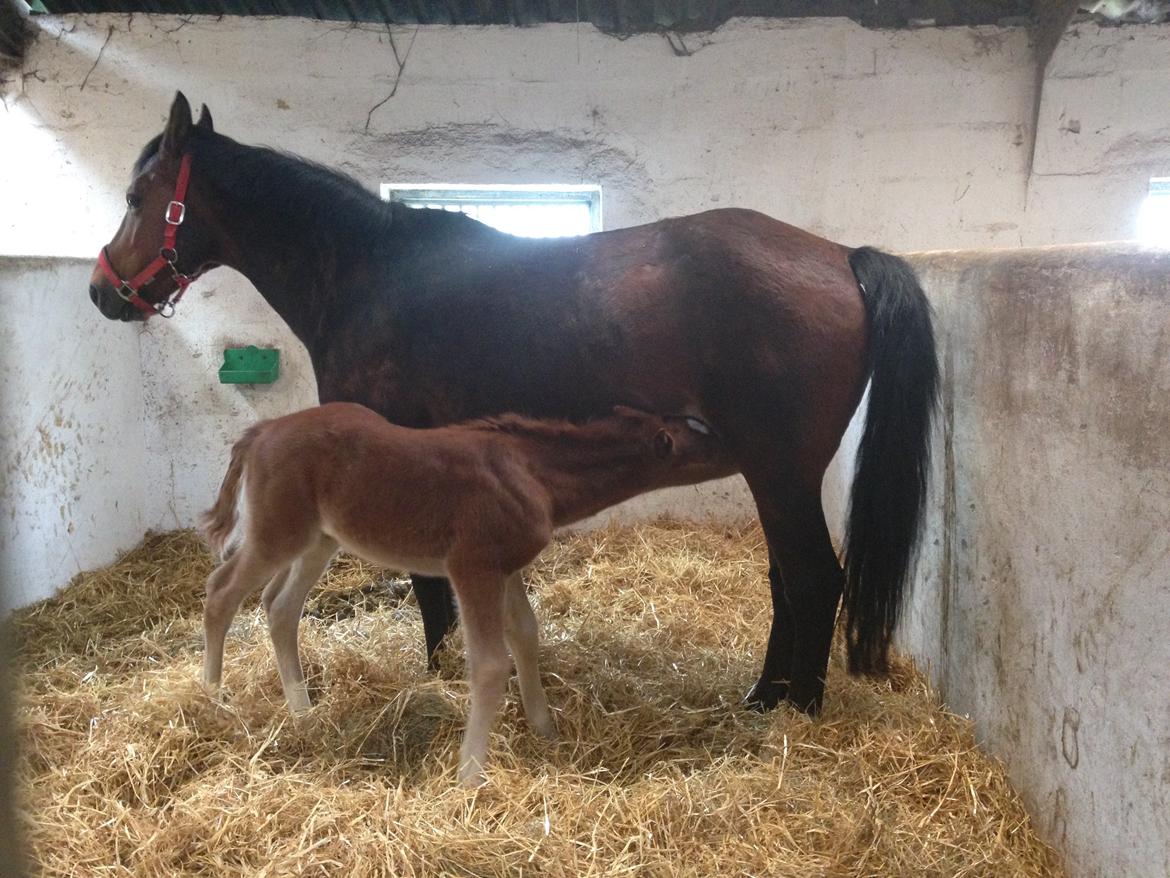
(1044, 592)
(71, 439)
(855, 134)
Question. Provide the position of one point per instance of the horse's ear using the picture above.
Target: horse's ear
(178, 127)
(205, 119)
(663, 444)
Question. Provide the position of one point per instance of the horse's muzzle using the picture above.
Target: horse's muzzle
(112, 307)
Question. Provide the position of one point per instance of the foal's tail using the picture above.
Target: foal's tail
(217, 523)
(889, 488)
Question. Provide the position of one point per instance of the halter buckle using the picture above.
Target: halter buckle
(169, 215)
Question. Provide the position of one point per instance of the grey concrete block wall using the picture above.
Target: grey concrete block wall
(1043, 600)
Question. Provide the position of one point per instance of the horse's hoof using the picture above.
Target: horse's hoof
(807, 703)
(765, 696)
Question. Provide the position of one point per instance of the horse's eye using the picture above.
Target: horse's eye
(133, 201)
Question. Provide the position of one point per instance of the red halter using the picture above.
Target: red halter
(128, 289)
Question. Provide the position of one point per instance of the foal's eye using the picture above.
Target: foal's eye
(133, 201)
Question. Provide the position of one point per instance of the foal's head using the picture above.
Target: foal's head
(144, 268)
(673, 441)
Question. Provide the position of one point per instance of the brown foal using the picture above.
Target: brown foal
(475, 502)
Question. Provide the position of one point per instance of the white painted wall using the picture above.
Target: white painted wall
(908, 140)
(72, 480)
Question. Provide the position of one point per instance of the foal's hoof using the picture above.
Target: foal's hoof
(472, 779)
(298, 702)
(765, 696)
(546, 731)
(212, 690)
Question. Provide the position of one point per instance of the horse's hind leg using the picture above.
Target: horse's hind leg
(811, 584)
(284, 601)
(227, 586)
(772, 687)
(523, 637)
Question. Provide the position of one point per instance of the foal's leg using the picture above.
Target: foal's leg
(523, 637)
(481, 605)
(283, 601)
(227, 586)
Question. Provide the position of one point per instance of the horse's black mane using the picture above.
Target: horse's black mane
(147, 153)
(300, 192)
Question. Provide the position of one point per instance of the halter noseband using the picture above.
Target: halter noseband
(167, 256)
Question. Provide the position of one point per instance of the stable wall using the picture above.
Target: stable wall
(1044, 590)
(904, 139)
(72, 480)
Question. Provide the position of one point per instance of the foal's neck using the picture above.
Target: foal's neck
(585, 468)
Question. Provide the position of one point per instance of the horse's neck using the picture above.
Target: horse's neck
(284, 283)
(298, 267)
(584, 476)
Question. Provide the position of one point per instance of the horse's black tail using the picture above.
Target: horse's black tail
(889, 487)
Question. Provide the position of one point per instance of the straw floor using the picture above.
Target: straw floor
(650, 636)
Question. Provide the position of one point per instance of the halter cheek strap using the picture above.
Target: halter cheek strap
(174, 215)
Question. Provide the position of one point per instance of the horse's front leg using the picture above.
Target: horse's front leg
(436, 603)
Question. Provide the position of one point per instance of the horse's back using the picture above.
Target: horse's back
(713, 313)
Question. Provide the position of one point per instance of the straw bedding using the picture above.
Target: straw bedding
(650, 635)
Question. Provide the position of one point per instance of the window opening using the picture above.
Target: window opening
(1153, 225)
(529, 210)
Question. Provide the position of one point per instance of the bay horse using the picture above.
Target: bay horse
(475, 502)
(767, 332)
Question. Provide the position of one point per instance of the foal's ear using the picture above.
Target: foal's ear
(205, 119)
(624, 411)
(663, 444)
(178, 127)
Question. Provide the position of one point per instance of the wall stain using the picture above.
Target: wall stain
(1069, 744)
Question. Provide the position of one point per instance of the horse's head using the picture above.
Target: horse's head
(165, 238)
(675, 441)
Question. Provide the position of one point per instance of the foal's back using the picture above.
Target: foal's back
(395, 495)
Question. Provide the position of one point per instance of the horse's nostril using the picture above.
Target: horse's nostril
(93, 297)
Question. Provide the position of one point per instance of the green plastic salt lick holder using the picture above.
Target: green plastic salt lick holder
(250, 365)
